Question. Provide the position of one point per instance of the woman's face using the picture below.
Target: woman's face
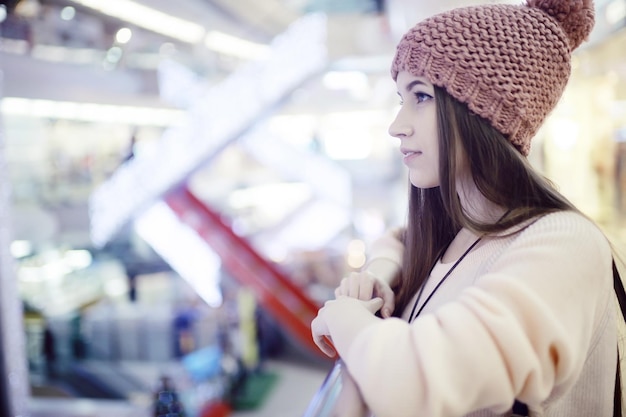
(416, 127)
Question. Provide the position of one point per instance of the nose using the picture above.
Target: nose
(400, 127)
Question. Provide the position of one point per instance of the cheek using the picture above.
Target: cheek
(430, 128)
(426, 174)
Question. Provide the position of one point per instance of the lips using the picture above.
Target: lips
(408, 153)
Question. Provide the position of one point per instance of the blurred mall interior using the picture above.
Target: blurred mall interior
(185, 182)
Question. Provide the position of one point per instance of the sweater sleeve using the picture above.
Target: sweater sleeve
(524, 328)
(385, 257)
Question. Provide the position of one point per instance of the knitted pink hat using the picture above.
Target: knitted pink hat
(508, 63)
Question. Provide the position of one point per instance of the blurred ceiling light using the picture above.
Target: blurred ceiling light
(68, 13)
(123, 35)
(77, 258)
(3, 12)
(177, 28)
(90, 112)
(21, 248)
(231, 45)
(148, 18)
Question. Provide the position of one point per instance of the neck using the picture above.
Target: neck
(476, 206)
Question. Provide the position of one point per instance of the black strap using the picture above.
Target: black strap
(621, 298)
(519, 408)
(617, 396)
(619, 290)
(414, 315)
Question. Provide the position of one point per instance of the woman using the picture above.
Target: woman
(504, 291)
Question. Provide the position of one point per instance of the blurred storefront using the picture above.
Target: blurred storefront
(581, 149)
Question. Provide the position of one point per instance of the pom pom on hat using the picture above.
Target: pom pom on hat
(576, 17)
(508, 63)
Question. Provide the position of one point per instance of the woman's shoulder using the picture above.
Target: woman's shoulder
(564, 225)
(563, 238)
(565, 220)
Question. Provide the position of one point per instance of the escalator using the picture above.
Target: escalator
(158, 183)
(289, 305)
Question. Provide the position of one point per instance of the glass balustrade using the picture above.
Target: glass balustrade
(338, 396)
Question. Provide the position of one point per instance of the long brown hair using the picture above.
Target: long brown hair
(500, 173)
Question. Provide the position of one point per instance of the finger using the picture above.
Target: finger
(321, 338)
(374, 304)
(389, 303)
(354, 286)
(366, 289)
(325, 346)
(361, 286)
(343, 288)
(386, 311)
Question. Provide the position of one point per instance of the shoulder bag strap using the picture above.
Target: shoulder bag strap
(621, 298)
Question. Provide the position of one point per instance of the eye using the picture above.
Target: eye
(422, 97)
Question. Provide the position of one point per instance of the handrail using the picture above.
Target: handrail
(338, 396)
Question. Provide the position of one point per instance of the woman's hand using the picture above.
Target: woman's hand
(333, 308)
(365, 286)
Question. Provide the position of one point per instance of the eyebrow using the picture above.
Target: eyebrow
(413, 83)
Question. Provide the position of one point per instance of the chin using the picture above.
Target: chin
(420, 183)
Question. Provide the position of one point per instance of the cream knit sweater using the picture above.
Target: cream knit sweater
(529, 316)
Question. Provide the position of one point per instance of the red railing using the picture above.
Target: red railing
(275, 291)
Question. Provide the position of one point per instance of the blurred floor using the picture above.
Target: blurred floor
(296, 385)
(297, 382)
